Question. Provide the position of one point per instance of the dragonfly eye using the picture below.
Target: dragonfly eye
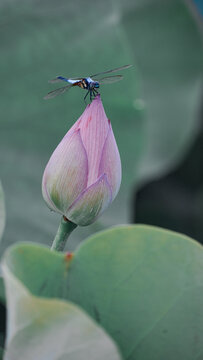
(96, 85)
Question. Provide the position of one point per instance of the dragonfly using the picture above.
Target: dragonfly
(91, 83)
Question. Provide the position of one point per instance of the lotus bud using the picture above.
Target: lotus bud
(83, 175)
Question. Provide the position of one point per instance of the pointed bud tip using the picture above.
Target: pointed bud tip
(96, 99)
(98, 96)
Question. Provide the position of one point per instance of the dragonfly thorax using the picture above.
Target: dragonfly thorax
(90, 84)
(84, 83)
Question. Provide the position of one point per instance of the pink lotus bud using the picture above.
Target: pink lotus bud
(83, 175)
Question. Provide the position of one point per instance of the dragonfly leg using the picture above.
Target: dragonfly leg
(95, 92)
(86, 96)
(91, 95)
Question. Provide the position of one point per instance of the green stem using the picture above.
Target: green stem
(65, 229)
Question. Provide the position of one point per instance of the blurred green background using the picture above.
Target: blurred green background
(155, 111)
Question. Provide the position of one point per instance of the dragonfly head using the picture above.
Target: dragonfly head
(96, 84)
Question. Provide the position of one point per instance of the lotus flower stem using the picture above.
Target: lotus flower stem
(65, 229)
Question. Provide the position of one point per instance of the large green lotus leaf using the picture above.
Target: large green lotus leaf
(152, 110)
(159, 32)
(144, 285)
(50, 329)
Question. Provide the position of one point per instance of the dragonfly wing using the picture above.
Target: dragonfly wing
(55, 80)
(57, 92)
(110, 79)
(113, 70)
